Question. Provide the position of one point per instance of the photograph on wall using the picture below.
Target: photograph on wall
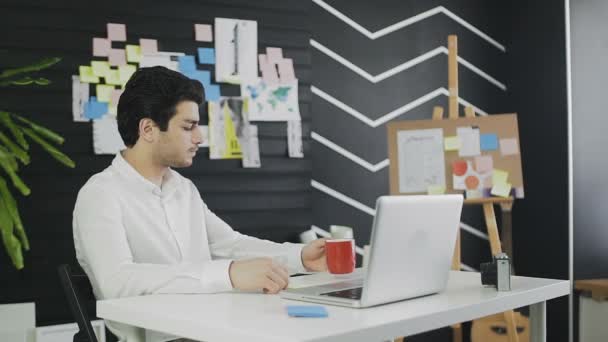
(272, 102)
(236, 48)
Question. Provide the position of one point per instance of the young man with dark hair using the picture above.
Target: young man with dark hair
(141, 228)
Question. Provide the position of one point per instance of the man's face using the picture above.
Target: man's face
(177, 146)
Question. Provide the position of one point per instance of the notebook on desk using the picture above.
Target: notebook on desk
(411, 249)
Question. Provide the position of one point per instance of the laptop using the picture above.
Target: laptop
(411, 250)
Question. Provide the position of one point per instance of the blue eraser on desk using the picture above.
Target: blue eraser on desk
(306, 311)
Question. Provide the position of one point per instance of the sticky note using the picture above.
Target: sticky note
(262, 61)
(95, 109)
(117, 57)
(519, 192)
(286, 72)
(186, 63)
(148, 46)
(306, 311)
(470, 194)
(489, 142)
(212, 92)
(101, 47)
(104, 92)
(202, 76)
(499, 176)
(484, 164)
(509, 147)
(86, 74)
(206, 56)
(117, 32)
(133, 53)
(269, 74)
(115, 97)
(451, 143)
(113, 77)
(100, 68)
(501, 189)
(436, 190)
(274, 54)
(125, 72)
(203, 33)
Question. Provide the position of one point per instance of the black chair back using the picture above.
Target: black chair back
(75, 286)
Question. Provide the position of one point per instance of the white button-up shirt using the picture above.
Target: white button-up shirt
(134, 238)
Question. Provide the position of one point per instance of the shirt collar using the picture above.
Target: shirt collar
(170, 180)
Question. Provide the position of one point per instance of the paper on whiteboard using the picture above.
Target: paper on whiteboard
(294, 139)
(272, 102)
(251, 148)
(80, 96)
(106, 139)
(470, 145)
(236, 49)
(421, 159)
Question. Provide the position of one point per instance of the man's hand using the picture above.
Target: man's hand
(258, 274)
(313, 256)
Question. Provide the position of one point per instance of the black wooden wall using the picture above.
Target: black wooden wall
(272, 202)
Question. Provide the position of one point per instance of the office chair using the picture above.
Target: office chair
(74, 286)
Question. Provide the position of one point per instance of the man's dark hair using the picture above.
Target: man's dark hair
(154, 93)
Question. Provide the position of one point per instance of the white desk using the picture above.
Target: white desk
(259, 317)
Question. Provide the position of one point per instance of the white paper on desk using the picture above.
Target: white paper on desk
(421, 159)
(236, 49)
(251, 148)
(470, 145)
(294, 139)
(80, 96)
(322, 278)
(106, 139)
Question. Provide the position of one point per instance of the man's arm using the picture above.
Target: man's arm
(101, 243)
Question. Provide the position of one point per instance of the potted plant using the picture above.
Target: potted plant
(16, 133)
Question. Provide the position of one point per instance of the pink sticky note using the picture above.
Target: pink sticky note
(484, 164)
(115, 96)
(269, 74)
(148, 46)
(286, 73)
(509, 147)
(117, 57)
(202, 33)
(263, 61)
(274, 54)
(117, 32)
(101, 47)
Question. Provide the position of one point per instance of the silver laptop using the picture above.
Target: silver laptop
(411, 249)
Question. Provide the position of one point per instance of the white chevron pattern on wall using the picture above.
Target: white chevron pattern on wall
(406, 22)
(404, 66)
(335, 147)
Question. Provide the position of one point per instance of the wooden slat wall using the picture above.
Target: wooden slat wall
(273, 202)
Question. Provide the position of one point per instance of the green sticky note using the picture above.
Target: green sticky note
(501, 189)
(104, 92)
(113, 77)
(133, 53)
(100, 68)
(436, 190)
(86, 74)
(452, 143)
(125, 72)
(499, 176)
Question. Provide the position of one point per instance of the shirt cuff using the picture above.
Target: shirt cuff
(216, 276)
(294, 257)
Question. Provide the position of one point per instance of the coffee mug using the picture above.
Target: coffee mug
(340, 254)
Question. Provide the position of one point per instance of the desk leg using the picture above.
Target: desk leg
(538, 322)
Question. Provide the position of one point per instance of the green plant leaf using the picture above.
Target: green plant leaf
(20, 153)
(23, 81)
(55, 153)
(4, 153)
(42, 81)
(17, 182)
(43, 64)
(13, 210)
(45, 132)
(5, 119)
(11, 243)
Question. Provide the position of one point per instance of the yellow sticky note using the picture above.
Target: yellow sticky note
(133, 53)
(113, 77)
(86, 74)
(100, 68)
(112, 110)
(436, 189)
(125, 72)
(451, 143)
(104, 92)
(499, 176)
(501, 189)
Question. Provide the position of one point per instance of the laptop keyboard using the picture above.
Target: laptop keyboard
(348, 294)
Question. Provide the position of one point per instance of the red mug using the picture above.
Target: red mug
(340, 254)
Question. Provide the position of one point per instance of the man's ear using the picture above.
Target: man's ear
(148, 130)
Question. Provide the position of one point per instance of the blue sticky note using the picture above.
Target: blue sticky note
(489, 142)
(206, 56)
(212, 92)
(94, 109)
(202, 76)
(186, 64)
(306, 311)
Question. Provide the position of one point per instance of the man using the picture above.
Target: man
(141, 228)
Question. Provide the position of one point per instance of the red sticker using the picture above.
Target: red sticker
(472, 182)
(459, 167)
